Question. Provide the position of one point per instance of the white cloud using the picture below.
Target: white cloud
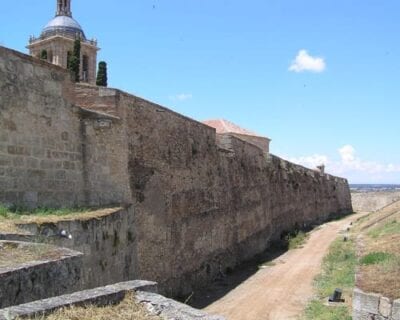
(350, 165)
(347, 153)
(305, 62)
(181, 97)
(350, 161)
(311, 161)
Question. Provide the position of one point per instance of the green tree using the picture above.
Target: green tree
(75, 60)
(101, 79)
(43, 54)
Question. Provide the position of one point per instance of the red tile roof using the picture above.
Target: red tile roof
(224, 126)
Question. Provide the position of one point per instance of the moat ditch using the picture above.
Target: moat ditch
(231, 278)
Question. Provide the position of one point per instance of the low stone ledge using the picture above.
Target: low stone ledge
(17, 237)
(107, 295)
(385, 307)
(368, 302)
(170, 309)
(371, 305)
(396, 310)
(41, 272)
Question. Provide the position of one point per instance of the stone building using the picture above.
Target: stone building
(57, 41)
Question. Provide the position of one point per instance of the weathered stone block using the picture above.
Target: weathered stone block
(38, 152)
(366, 302)
(360, 315)
(32, 163)
(60, 175)
(5, 160)
(3, 137)
(396, 310)
(31, 199)
(18, 161)
(171, 309)
(385, 307)
(68, 165)
(18, 150)
(47, 164)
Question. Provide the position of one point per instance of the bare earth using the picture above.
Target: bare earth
(281, 291)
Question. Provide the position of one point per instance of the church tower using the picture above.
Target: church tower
(56, 43)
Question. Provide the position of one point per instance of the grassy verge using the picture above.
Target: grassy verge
(379, 269)
(16, 212)
(387, 228)
(338, 270)
(13, 254)
(10, 218)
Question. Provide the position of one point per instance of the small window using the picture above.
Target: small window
(50, 56)
(69, 54)
(43, 55)
(85, 68)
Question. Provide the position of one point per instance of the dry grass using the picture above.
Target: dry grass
(13, 254)
(9, 221)
(128, 309)
(384, 215)
(383, 236)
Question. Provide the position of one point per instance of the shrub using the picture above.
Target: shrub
(101, 79)
(75, 60)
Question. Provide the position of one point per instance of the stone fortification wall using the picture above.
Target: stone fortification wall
(40, 147)
(373, 201)
(200, 206)
(216, 208)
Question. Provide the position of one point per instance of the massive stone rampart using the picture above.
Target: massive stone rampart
(373, 201)
(202, 203)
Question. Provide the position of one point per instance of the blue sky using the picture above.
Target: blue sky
(337, 103)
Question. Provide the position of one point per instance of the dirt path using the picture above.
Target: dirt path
(281, 291)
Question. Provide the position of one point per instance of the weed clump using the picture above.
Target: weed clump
(376, 258)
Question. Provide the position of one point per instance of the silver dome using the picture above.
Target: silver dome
(63, 25)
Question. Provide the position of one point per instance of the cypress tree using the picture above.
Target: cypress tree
(101, 79)
(43, 54)
(75, 60)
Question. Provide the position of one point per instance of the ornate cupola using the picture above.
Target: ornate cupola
(56, 42)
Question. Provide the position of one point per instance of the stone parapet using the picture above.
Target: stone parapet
(101, 296)
(368, 306)
(169, 309)
(200, 205)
